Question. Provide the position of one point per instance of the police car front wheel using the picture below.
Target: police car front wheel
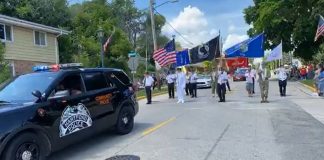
(125, 122)
(26, 146)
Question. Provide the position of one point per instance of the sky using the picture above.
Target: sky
(201, 20)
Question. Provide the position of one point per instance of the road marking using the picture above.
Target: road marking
(158, 126)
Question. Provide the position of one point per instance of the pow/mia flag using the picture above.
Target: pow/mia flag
(205, 52)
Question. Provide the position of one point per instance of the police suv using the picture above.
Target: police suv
(58, 105)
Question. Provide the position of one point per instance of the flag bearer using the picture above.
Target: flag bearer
(221, 84)
(264, 75)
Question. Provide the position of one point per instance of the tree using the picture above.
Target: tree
(292, 21)
(4, 70)
(319, 57)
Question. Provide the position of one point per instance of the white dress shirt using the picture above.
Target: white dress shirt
(222, 77)
(193, 78)
(148, 81)
(249, 77)
(253, 71)
(282, 75)
(170, 78)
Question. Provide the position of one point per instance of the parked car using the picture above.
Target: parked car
(204, 81)
(239, 74)
(58, 105)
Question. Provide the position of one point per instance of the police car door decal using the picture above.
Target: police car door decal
(74, 119)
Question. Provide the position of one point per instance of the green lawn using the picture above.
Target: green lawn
(309, 82)
(141, 92)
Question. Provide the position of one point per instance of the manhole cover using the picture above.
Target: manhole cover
(124, 157)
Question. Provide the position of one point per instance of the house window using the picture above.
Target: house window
(5, 32)
(40, 38)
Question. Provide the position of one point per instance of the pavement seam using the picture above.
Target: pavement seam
(217, 141)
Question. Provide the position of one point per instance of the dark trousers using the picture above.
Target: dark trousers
(193, 87)
(187, 89)
(148, 94)
(228, 86)
(171, 90)
(253, 84)
(221, 89)
(282, 87)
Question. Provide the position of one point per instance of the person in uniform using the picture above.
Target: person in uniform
(282, 79)
(187, 84)
(148, 82)
(171, 78)
(193, 84)
(264, 75)
(181, 85)
(253, 78)
(214, 75)
(221, 84)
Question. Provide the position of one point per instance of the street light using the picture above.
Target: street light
(100, 33)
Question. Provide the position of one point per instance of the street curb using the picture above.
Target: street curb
(309, 87)
(156, 94)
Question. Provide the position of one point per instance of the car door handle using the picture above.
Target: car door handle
(85, 100)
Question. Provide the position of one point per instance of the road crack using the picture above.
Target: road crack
(217, 141)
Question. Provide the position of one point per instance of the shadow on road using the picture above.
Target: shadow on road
(106, 140)
(124, 157)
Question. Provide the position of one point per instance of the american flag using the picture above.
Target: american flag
(320, 28)
(166, 55)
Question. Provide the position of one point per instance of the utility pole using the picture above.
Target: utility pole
(153, 24)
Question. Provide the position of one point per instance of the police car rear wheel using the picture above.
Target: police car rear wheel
(125, 122)
(25, 147)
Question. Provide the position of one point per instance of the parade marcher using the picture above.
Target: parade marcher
(187, 84)
(214, 81)
(282, 77)
(171, 78)
(253, 78)
(227, 83)
(317, 74)
(148, 82)
(193, 84)
(249, 81)
(221, 84)
(181, 84)
(264, 75)
(155, 81)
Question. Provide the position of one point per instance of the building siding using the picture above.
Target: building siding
(23, 47)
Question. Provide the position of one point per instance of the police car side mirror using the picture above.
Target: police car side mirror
(37, 94)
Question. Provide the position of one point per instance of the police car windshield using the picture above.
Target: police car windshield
(20, 89)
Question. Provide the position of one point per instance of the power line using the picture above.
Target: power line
(189, 42)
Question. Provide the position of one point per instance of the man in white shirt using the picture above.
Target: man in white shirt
(148, 82)
(171, 78)
(282, 77)
(253, 71)
(181, 85)
(193, 83)
(221, 84)
(249, 81)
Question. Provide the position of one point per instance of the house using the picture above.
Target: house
(28, 44)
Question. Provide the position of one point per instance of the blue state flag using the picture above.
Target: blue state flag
(275, 54)
(251, 48)
(183, 58)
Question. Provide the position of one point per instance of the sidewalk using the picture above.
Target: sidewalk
(312, 104)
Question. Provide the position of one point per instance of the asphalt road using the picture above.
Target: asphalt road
(203, 129)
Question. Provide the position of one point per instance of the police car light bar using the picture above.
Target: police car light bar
(56, 67)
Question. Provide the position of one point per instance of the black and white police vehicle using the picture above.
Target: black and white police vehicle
(58, 105)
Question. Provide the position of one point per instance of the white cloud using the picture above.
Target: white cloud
(231, 28)
(193, 25)
(233, 39)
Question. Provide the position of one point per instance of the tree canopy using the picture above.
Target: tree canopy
(294, 22)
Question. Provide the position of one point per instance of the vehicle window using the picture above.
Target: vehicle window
(71, 84)
(20, 88)
(122, 77)
(94, 81)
